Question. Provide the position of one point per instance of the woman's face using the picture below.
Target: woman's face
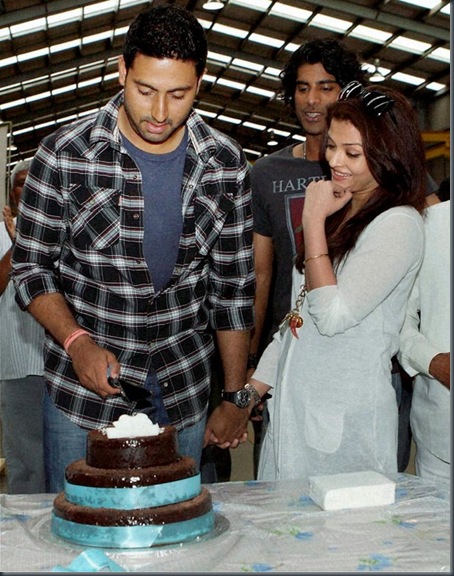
(345, 155)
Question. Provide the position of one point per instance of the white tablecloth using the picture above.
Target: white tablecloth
(261, 527)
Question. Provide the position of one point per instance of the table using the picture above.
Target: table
(261, 527)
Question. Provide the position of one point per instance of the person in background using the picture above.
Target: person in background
(134, 239)
(21, 367)
(311, 81)
(425, 349)
(444, 191)
(402, 382)
(334, 407)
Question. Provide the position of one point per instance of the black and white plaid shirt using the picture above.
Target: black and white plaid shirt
(80, 232)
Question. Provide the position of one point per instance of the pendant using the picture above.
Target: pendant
(294, 321)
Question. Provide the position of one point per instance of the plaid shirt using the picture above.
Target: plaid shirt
(80, 232)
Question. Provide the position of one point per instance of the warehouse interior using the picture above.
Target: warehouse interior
(59, 62)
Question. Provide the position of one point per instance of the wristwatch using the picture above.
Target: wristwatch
(242, 398)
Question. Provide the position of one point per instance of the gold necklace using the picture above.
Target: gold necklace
(304, 151)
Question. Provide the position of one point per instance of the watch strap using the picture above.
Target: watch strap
(229, 396)
(241, 398)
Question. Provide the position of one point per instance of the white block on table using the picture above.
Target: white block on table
(352, 490)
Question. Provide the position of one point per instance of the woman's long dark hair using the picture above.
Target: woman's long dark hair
(395, 156)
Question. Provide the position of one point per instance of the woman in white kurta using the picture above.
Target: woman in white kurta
(334, 408)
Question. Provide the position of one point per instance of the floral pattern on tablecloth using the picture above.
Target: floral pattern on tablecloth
(267, 527)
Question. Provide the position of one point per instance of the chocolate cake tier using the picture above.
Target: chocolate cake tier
(80, 473)
(187, 510)
(140, 452)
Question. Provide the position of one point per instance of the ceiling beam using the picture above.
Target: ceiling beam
(383, 17)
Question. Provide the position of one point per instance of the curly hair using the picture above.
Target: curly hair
(335, 58)
(395, 156)
(167, 32)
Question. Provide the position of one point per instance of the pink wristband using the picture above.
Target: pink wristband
(70, 339)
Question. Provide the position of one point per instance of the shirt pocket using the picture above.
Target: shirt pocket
(210, 215)
(95, 217)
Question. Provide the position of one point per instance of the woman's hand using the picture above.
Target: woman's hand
(323, 198)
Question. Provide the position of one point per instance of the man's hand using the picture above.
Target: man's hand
(93, 364)
(440, 368)
(227, 426)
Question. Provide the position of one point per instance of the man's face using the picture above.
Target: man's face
(158, 97)
(315, 90)
(16, 190)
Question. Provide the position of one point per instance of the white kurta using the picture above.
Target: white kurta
(430, 410)
(334, 408)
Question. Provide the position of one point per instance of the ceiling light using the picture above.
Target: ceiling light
(266, 40)
(261, 5)
(410, 45)
(370, 34)
(429, 4)
(213, 5)
(376, 76)
(330, 23)
(247, 64)
(435, 86)
(442, 54)
(230, 30)
(408, 78)
(272, 141)
(291, 12)
(254, 126)
(260, 91)
(254, 152)
(229, 119)
(231, 84)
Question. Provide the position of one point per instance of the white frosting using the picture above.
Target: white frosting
(352, 490)
(132, 426)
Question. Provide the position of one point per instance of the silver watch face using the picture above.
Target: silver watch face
(243, 398)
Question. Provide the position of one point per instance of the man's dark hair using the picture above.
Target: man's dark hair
(167, 32)
(335, 58)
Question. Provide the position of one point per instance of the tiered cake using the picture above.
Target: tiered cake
(132, 492)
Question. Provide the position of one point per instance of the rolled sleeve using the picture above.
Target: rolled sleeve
(232, 277)
(39, 233)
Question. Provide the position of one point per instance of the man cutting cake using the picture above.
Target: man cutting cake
(134, 241)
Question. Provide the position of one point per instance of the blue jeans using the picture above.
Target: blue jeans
(65, 441)
(190, 440)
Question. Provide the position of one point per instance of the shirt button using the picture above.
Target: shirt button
(165, 385)
(136, 216)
